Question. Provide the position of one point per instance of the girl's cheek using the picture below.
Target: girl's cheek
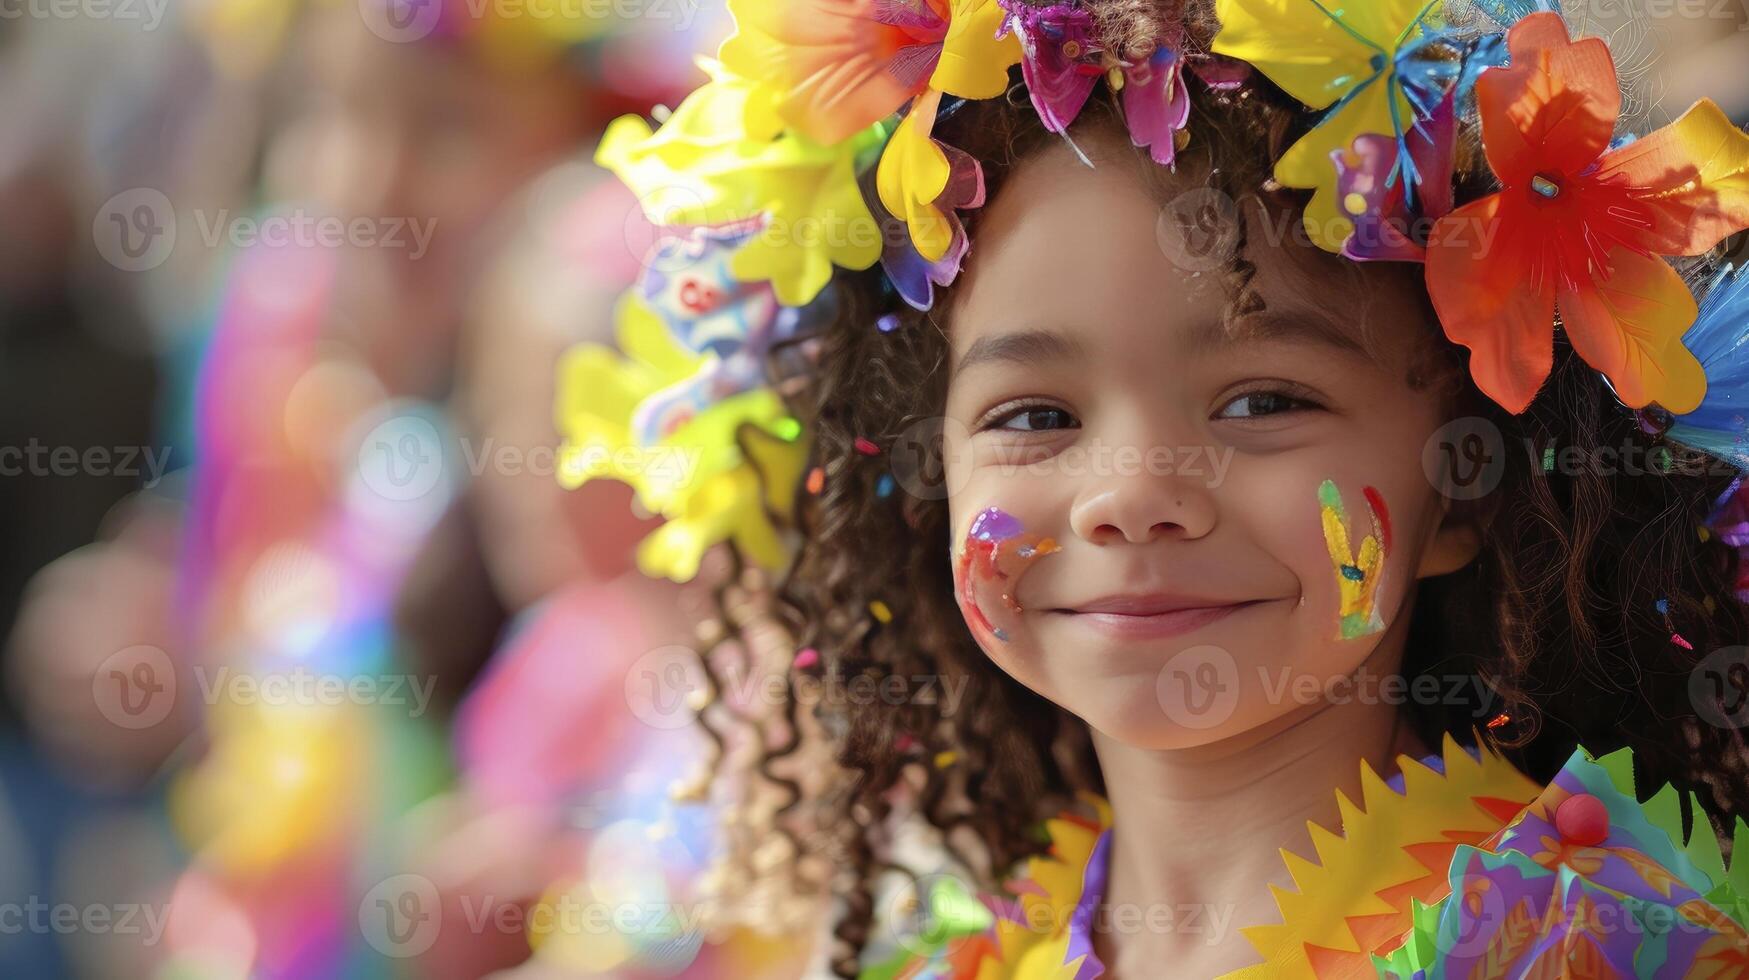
(988, 563)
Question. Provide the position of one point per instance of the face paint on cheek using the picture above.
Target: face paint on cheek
(1357, 572)
(996, 552)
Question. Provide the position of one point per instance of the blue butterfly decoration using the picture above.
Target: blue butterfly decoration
(1720, 425)
(1444, 63)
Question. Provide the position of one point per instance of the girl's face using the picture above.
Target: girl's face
(1176, 531)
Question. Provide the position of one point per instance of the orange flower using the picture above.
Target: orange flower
(1555, 852)
(1580, 228)
(839, 66)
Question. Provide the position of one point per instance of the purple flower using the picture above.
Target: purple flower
(1387, 224)
(1156, 104)
(913, 276)
(1060, 59)
(1063, 59)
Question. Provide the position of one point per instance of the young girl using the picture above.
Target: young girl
(1219, 539)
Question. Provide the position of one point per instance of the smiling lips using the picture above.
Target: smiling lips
(1151, 616)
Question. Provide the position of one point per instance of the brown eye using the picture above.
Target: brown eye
(1259, 403)
(1037, 418)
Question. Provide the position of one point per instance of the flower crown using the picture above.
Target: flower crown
(808, 96)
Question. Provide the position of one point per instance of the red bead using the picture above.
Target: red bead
(1583, 820)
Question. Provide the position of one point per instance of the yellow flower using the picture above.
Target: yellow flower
(1325, 58)
(708, 165)
(714, 476)
(839, 66)
(912, 174)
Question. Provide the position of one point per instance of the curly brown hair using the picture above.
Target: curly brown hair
(1567, 614)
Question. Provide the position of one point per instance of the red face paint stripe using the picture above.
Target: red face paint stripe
(1383, 517)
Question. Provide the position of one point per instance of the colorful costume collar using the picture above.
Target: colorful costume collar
(1460, 867)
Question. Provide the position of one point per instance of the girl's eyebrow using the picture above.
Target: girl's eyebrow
(1023, 347)
(1306, 325)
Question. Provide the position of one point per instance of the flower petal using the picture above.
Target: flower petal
(1156, 104)
(830, 59)
(1692, 175)
(703, 167)
(1301, 48)
(1380, 215)
(1307, 162)
(1056, 84)
(1478, 276)
(1630, 325)
(1554, 108)
(912, 276)
(912, 174)
(1372, 193)
(974, 61)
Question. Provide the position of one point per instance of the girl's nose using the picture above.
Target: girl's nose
(1142, 507)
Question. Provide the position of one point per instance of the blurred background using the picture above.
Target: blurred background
(310, 667)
